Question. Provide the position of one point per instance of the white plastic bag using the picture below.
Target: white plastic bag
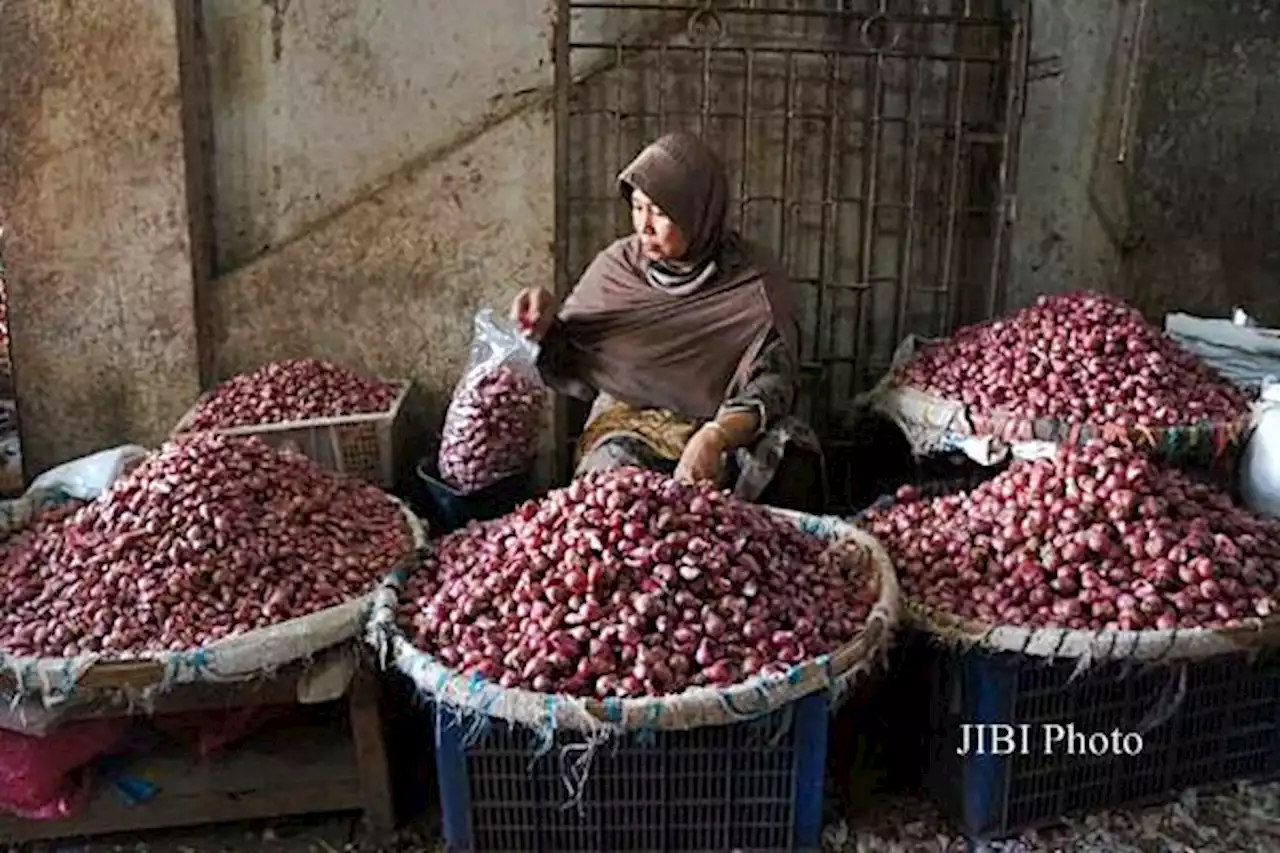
(491, 430)
(89, 476)
(1239, 349)
(1260, 468)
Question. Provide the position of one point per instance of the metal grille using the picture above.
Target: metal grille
(870, 144)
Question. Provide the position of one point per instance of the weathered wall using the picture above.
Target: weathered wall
(1205, 200)
(1160, 185)
(314, 104)
(1059, 241)
(93, 203)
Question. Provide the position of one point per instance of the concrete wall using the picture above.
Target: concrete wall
(1060, 242)
(316, 104)
(1205, 199)
(93, 203)
(377, 172)
(1148, 155)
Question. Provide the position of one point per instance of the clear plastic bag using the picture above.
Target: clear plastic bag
(491, 430)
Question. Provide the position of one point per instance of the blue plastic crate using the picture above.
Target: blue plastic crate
(1207, 723)
(750, 786)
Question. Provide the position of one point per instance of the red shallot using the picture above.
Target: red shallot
(209, 537)
(628, 583)
(1098, 537)
(1078, 358)
(291, 390)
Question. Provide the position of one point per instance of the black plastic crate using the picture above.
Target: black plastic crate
(949, 473)
(1220, 723)
(447, 510)
(755, 786)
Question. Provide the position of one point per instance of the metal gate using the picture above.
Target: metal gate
(871, 145)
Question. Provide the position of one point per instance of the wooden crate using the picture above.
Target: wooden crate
(263, 779)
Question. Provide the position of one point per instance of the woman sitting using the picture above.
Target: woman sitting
(685, 338)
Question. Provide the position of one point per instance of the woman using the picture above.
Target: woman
(685, 338)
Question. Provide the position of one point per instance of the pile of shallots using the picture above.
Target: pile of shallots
(291, 390)
(627, 583)
(209, 537)
(1098, 537)
(491, 430)
(1078, 358)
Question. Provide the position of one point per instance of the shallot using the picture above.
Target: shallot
(1078, 358)
(1097, 537)
(209, 537)
(290, 390)
(491, 429)
(586, 591)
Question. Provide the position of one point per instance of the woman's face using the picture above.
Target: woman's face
(660, 239)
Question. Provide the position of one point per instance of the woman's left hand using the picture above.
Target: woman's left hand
(703, 457)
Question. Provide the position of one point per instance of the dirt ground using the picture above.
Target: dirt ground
(1243, 820)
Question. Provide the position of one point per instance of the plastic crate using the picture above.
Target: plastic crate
(368, 446)
(1225, 727)
(752, 786)
(448, 510)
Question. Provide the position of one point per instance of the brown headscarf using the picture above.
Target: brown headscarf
(649, 347)
(686, 179)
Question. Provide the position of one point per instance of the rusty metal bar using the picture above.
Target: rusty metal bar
(912, 179)
(953, 192)
(972, 134)
(748, 69)
(662, 86)
(870, 184)
(706, 92)
(791, 12)
(562, 458)
(974, 209)
(798, 50)
(620, 94)
(784, 246)
(1020, 52)
(829, 220)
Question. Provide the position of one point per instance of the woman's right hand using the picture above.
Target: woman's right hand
(533, 311)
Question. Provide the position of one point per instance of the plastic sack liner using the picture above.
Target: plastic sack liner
(89, 476)
(55, 681)
(936, 425)
(491, 429)
(694, 708)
